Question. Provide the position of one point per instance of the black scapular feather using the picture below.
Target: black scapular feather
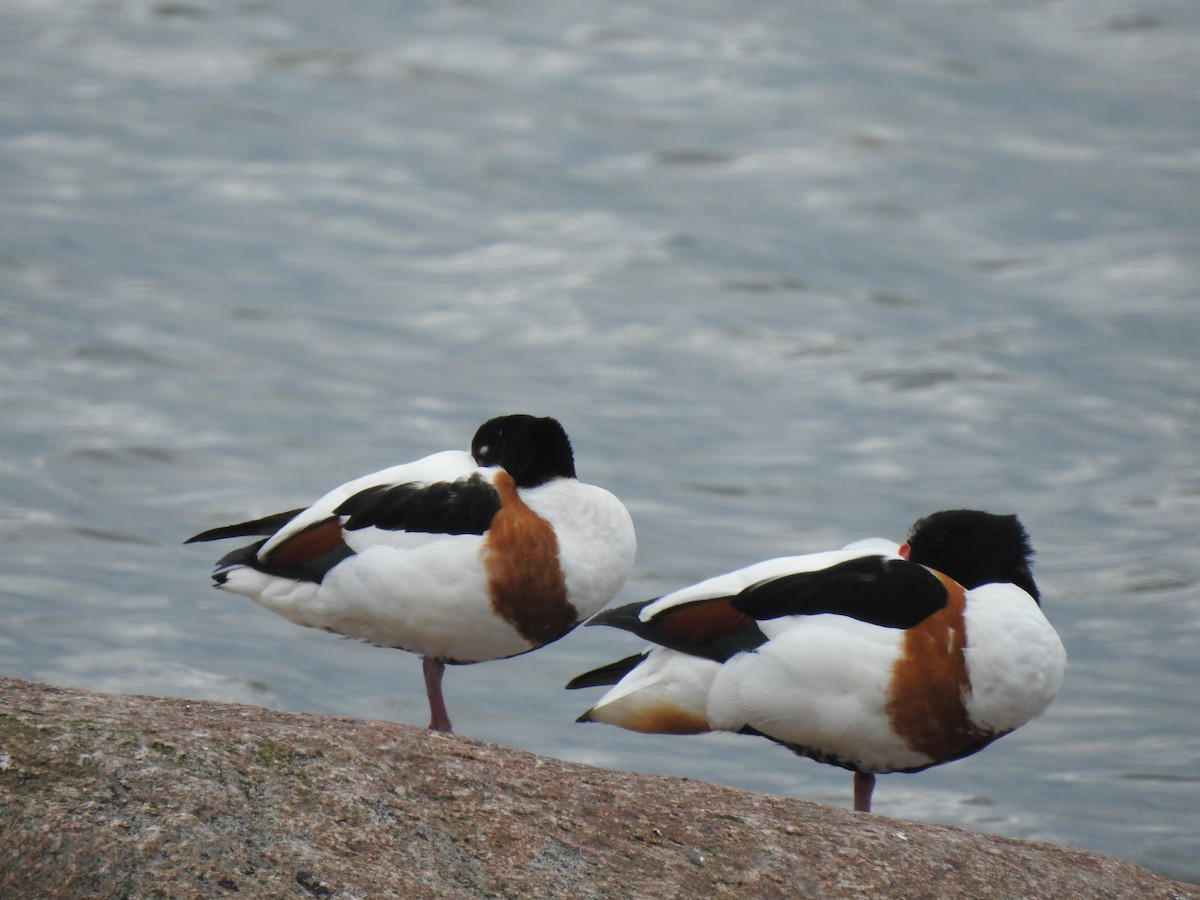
(445, 507)
(892, 593)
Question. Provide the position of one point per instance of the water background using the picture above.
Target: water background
(790, 274)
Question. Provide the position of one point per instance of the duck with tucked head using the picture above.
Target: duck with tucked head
(877, 657)
(460, 557)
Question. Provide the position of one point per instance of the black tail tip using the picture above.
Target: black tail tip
(579, 681)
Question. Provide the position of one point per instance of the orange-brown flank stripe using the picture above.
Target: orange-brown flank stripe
(930, 684)
(525, 580)
(307, 545)
(703, 622)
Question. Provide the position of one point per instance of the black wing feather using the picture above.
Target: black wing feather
(627, 617)
(445, 507)
(892, 593)
(709, 628)
(267, 525)
(606, 675)
(313, 570)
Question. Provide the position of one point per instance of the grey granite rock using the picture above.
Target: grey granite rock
(115, 796)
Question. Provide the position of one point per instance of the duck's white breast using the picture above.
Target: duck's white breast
(1015, 659)
(595, 537)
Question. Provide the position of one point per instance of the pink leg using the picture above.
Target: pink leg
(864, 784)
(439, 719)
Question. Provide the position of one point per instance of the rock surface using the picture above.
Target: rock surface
(113, 796)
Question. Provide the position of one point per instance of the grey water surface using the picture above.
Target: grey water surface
(790, 274)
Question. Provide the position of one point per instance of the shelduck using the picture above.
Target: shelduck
(458, 557)
(876, 658)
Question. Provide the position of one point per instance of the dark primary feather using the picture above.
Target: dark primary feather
(891, 593)
(606, 675)
(466, 506)
(266, 526)
(626, 617)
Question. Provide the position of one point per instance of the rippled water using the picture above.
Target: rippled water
(790, 274)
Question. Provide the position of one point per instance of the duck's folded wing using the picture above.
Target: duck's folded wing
(363, 496)
(733, 583)
(709, 628)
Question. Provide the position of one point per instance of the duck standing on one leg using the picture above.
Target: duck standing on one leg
(459, 557)
(877, 658)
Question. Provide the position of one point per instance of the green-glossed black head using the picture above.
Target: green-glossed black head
(974, 548)
(532, 450)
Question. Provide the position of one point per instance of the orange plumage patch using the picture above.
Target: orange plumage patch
(702, 623)
(930, 684)
(525, 579)
(309, 544)
(661, 718)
